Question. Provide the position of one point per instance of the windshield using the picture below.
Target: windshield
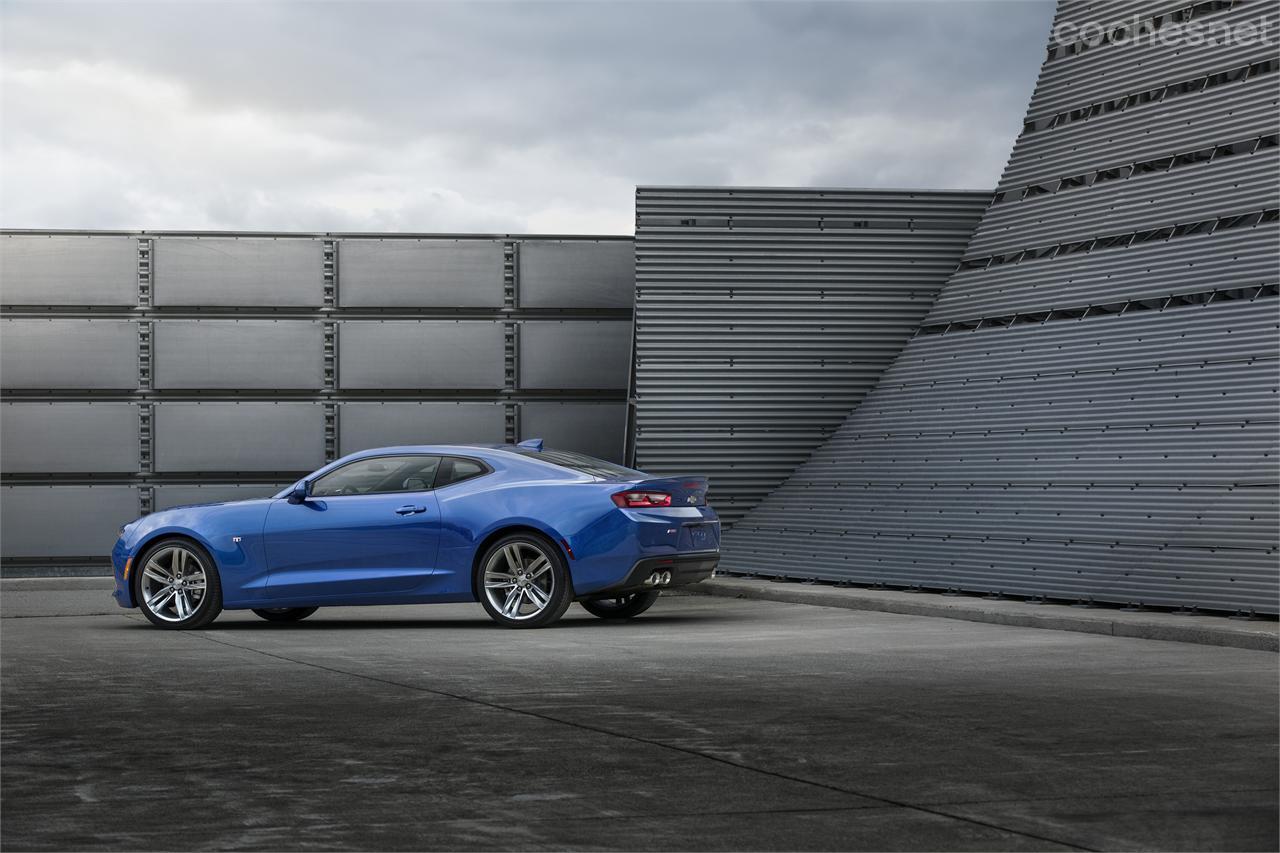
(582, 463)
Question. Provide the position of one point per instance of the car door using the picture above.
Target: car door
(370, 527)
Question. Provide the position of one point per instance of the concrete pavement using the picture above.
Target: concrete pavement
(710, 723)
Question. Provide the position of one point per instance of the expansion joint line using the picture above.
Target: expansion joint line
(886, 801)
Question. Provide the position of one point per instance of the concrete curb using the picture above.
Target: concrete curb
(44, 572)
(1261, 635)
(60, 584)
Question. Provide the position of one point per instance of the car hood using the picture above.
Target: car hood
(210, 504)
(200, 520)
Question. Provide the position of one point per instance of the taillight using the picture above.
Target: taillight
(640, 500)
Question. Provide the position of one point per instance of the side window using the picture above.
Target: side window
(379, 475)
(455, 470)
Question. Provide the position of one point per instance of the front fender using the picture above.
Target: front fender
(231, 533)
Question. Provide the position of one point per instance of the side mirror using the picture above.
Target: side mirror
(300, 493)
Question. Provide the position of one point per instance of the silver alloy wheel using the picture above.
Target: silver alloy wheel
(518, 580)
(173, 583)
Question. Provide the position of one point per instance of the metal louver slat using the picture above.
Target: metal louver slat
(1161, 129)
(1193, 264)
(1229, 185)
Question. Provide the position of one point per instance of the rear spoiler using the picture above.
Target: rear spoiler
(685, 489)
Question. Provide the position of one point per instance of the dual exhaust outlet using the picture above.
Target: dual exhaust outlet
(658, 579)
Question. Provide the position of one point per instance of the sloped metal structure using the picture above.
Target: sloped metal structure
(764, 315)
(1089, 412)
(143, 370)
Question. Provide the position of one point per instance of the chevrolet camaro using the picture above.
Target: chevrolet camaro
(524, 530)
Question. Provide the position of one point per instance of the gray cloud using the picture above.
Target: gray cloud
(490, 116)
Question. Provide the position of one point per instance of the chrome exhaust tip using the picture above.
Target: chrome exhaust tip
(653, 579)
(666, 578)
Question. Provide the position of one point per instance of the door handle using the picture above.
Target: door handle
(410, 510)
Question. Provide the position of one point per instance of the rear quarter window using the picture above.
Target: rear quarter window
(455, 469)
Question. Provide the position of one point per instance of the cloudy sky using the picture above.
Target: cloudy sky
(486, 116)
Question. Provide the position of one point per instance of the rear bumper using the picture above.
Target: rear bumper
(685, 569)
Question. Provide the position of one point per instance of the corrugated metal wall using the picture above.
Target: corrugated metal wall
(1090, 409)
(764, 315)
(147, 370)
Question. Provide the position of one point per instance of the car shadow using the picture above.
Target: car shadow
(481, 622)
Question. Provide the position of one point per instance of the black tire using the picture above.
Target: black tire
(549, 590)
(621, 607)
(159, 561)
(285, 614)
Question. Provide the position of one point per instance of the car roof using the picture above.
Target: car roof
(447, 449)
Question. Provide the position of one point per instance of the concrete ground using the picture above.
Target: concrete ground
(709, 724)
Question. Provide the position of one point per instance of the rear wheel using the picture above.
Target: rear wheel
(177, 585)
(522, 582)
(620, 606)
(285, 614)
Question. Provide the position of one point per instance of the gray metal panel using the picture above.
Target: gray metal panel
(238, 271)
(52, 354)
(366, 425)
(64, 521)
(239, 354)
(416, 273)
(64, 270)
(576, 274)
(91, 395)
(421, 354)
(69, 438)
(596, 429)
(574, 354)
(1116, 457)
(239, 436)
(167, 497)
(764, 315)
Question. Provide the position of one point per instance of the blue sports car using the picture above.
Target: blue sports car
(524, 530)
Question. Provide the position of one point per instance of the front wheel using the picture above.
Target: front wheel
(621, 606)
(285, 614)
(522, 582)
(178, 585)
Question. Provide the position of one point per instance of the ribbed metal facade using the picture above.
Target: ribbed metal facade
(764, 315)
(147, 370)
(1089, 411)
